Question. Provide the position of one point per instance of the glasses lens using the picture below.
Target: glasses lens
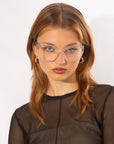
(73, 53)
(49, 52)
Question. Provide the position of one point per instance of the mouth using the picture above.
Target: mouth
(59, 70)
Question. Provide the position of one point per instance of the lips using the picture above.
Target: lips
(59, 70)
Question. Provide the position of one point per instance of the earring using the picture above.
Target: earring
(36, 60)
(81, 60)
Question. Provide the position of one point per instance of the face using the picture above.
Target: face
(60, 69)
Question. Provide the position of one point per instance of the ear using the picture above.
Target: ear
(82, 51)
(35, 50)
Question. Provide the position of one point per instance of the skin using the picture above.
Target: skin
(59, 84)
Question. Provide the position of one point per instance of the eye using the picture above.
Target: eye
(48, 48)
(72, 49)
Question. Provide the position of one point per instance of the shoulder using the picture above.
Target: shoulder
(102, 96)
(22, 110)
(101, 91)
(23, 117)
(23, 113)
(102, 87)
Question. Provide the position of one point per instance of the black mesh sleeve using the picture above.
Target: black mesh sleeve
(16, 132)
(108, 119)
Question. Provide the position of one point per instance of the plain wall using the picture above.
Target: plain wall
(16, 19)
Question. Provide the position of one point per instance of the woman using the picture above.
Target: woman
(66, 104)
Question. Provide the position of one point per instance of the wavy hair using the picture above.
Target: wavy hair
(63, 16)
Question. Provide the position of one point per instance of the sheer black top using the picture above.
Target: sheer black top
(95, 126)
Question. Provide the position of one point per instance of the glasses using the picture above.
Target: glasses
(70, 53)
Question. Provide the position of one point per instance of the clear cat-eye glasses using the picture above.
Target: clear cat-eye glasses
(70, 53)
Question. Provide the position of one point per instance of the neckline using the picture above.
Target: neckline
(60, 96)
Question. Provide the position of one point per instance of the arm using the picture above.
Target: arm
(17, 133)
(108, 119)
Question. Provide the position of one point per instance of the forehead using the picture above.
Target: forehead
(57, 34)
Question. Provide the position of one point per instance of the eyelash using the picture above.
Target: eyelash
(72, 49)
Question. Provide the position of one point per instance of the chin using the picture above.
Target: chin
(63, 78)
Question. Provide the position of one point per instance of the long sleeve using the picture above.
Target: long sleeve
(16, 133)
(108, 118)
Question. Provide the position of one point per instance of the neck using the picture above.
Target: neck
(61, 88)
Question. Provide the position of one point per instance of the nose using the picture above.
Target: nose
(60, 59)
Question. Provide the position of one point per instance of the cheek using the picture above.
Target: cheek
(43, 65)
(73, 66)
(77, 62)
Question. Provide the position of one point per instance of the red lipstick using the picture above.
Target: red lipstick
(59, 70)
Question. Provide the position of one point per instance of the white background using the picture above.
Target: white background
(16, 19)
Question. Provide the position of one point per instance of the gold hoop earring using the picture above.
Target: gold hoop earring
(81, 60)
(36, 60)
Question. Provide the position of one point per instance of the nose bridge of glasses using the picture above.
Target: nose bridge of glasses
(60, 51)
(60, 55)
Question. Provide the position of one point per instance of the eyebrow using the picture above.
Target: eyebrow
(75, 43)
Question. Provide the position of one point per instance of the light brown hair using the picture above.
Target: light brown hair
(63, 16)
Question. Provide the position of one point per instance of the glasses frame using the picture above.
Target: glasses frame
(60, 50)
